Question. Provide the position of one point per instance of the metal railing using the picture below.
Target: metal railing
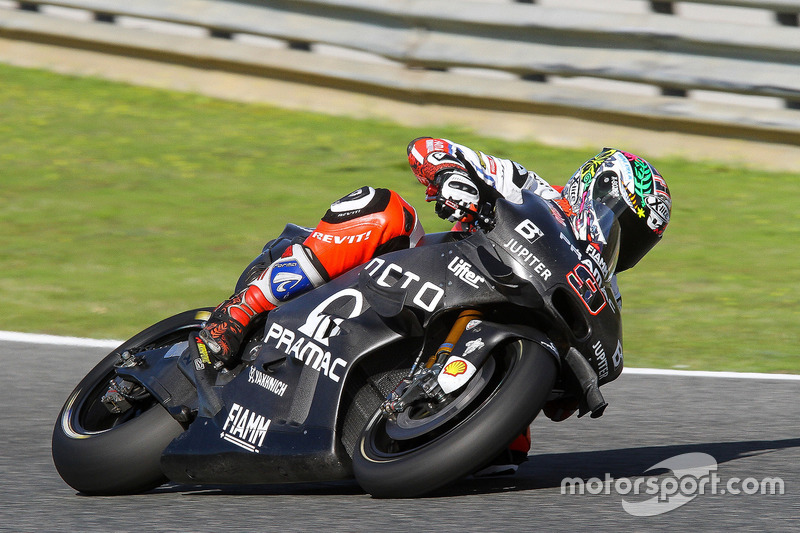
(644, 67)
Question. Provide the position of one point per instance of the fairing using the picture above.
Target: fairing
(280, 420)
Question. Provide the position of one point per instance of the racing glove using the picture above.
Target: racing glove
(456, 192)
(224, 331)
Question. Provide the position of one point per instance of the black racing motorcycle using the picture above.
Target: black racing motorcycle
(408, 372)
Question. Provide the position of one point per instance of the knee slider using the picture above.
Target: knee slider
(292, 275)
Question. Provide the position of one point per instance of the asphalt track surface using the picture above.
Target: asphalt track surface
(750, 427)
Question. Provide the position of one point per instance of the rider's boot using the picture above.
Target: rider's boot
(296, 272)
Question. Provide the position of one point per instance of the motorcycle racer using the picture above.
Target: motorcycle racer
(615, 201)
(367, 223)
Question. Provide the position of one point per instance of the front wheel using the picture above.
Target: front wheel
(387, 465)
(97, 452)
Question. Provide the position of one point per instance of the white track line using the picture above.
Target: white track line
(708, 374)
(36, 338)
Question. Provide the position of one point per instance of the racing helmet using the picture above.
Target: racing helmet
(620, 204)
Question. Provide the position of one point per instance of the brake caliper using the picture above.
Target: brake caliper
(117, 397)
(122, 393)
(423, 386)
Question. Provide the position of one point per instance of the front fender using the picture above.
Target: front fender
(479, 339)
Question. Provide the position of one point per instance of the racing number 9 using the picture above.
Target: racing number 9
(585, 286)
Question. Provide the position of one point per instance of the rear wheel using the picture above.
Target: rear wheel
(438, 446)
(98, 452)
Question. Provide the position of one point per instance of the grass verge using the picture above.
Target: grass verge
(122, 205)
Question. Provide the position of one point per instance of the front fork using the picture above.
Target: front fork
(422, 382)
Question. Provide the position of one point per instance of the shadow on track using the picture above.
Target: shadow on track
(548, 470)
(540, 472)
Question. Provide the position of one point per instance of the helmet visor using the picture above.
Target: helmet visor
(606, 238)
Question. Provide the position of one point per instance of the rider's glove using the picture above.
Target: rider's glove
(222, 336)
(456, 190)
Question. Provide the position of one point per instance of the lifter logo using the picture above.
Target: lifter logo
(463, 270)
(244, 428)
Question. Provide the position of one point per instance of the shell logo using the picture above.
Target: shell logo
(455, 368)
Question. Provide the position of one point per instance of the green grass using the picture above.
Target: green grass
(121, 205)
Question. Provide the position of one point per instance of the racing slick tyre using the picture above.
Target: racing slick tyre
(512, 387)
(100, 453)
